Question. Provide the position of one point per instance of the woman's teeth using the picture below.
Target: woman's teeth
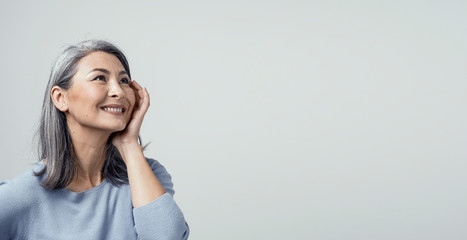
(113, 109)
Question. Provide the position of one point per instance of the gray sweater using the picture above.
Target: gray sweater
(29, 211)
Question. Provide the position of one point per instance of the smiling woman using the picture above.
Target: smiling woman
(92, 180)
(100, 99)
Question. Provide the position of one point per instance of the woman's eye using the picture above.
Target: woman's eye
(125, 81)
(100, 78)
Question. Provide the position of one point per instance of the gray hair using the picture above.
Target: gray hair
(54, 141)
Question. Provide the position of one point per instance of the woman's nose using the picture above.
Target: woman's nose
(115, 90)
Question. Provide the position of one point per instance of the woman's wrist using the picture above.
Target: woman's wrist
(128, 149)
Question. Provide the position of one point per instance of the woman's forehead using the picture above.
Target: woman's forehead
(100, 60)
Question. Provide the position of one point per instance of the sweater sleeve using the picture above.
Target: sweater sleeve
(161, 218)
(5, 216)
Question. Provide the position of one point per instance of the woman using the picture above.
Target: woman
(93, 181)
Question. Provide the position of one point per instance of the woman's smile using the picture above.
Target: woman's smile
(114, 109)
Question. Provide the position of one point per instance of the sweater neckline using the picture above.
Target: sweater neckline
(64, 190)
(100, 185)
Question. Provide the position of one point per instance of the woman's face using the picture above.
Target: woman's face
(100, 96)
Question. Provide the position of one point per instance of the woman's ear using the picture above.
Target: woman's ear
(58, 97)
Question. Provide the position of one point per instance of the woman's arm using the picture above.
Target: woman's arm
(156, 214)
(144, 185)
(162, 218)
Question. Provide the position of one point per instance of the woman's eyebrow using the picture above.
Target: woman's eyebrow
(123, 73)
(107, 71)
(100, 70)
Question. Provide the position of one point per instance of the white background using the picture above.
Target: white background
(276, 119)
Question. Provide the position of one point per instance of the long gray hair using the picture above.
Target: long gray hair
(54, 141)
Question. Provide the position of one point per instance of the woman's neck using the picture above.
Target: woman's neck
(89, 147)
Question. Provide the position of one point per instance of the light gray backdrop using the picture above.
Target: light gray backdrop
(276, 119)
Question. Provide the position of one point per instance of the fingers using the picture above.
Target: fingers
(142, 97)
(137, 89)
(136, 86)
(147, 100)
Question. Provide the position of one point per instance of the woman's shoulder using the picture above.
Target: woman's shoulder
(161, 173)
(154, 164)
(22, 187)
(157, 167)
(19, 197)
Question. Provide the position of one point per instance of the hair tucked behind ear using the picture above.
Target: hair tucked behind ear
(54, 141)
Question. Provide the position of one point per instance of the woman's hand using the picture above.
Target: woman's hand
(129, 136)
